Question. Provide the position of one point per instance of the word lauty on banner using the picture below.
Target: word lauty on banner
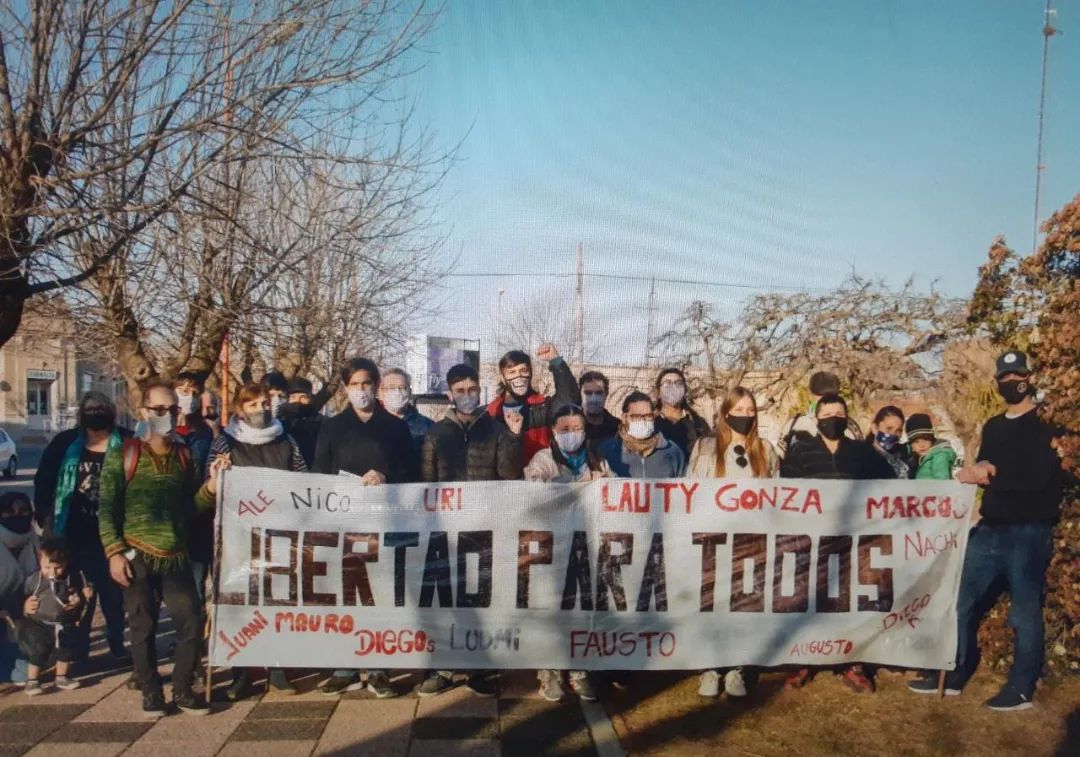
(321, 571)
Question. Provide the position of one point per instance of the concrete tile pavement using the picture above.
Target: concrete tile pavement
(106, 719)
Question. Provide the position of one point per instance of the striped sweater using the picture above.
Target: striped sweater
(150, 513)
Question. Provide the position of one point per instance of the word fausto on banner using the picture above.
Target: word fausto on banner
(321, 571)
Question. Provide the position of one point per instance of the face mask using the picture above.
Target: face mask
(641, 429)
(187, 403)
(211, 415)
(672, 394)
(12, 538)
(740, 424)
(594, 404)
(161, 425)
(98, 419)
(396, 400)
(832, 428)
(570, 441)
(261, 419)
(466, 404)
(1013, 392)
(17, 524)
(887, 441)
(360, 399)
(520, 385)
(276, 403)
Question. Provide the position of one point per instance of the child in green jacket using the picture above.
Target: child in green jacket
(936, 457)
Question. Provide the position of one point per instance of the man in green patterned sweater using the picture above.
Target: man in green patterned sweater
(150, 491)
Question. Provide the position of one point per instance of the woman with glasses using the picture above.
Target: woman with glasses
(639, 450)
(677, 420)
(734, 451)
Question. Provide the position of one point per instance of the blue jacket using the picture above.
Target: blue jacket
(666, 461)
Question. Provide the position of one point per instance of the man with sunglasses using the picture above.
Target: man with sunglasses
(148, 498)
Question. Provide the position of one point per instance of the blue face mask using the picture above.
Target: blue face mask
(887, 441)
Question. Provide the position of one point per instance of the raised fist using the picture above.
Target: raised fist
(547, 351)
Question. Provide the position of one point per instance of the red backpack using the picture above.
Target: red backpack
(133, 451)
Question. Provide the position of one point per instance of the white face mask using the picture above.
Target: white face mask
(520, 385)
(570, 441)
(594, 404)
(276, 402)
(641, 429)
(360, 399)
(188, 403)
(396, 400)
(161, 425)
(672, 394)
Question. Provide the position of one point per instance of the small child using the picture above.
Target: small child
(55, 602)
(936, 457)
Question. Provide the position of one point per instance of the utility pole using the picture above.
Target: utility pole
(650, 335)
(580, 326)
(1048, 31)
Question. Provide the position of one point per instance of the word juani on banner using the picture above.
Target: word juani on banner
(321, 571)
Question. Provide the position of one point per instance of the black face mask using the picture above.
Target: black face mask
(16, 524)
(740, 424)
(98, 420)
(832, 428)
(299, 409)
(1014, 391)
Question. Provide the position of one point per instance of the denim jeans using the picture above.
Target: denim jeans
(999, 557)
(89, 558)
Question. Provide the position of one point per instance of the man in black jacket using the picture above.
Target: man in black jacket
(366, 441)
(832, 455)
(301, 415)
(1011, 545)
(468, 445)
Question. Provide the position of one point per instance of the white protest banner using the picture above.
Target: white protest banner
(321, 571)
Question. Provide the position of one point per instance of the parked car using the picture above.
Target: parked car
(9, 456)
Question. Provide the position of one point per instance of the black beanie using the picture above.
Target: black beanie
(919, 426)
(299, 385)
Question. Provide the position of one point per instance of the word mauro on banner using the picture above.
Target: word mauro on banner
(609, 574)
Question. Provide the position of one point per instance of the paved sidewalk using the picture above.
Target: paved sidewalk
(104, 719)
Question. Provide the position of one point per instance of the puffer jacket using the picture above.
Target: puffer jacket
(937, 464)
(483, 450)
(666, 461)
(538, 408)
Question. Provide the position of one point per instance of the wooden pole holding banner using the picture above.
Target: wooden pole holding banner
(941, 685)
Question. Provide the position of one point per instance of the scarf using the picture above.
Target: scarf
(69, 472)
(577, 461)
(245, 434)
(640, 447)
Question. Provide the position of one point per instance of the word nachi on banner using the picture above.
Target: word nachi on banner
(321, 571)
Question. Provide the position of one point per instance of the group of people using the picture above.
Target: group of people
(127, 518)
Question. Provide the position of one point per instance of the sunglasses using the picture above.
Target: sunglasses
(160, 410)
(740, 459)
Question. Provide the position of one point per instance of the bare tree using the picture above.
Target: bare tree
(874, 338)
(117, 114)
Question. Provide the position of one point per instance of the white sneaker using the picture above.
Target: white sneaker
(710, 684)
(734, 684)
(550, 685)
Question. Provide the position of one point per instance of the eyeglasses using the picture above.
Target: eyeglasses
(740, 452)
(646, 417)
(160, 410)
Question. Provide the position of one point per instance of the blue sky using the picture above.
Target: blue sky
(773, 145)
